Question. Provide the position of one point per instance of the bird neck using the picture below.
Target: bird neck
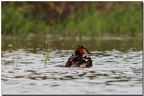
(78, 53)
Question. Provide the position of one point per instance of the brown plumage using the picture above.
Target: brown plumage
(77, 59)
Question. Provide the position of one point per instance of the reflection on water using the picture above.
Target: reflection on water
(114, 72)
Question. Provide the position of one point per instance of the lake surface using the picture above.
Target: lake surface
(117, 66)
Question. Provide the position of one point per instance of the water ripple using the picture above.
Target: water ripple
(113, 72)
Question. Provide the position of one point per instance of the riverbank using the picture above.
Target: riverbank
(109, 19)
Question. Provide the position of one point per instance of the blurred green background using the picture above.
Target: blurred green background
(72, 18)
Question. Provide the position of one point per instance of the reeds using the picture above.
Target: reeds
(119, 20)
(14, 22)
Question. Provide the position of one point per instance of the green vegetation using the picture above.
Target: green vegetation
(48, 49)
(118, 22)
(15, 22)
(114, 20)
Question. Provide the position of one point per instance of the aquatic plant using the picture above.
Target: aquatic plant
(48, 50)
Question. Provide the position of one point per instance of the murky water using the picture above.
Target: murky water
(116, 69)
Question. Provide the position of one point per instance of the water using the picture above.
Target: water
(116, 70)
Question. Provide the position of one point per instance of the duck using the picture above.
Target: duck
(78, 59)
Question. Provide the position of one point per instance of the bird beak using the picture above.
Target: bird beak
(88, 52)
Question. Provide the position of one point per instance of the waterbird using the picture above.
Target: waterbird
(78, 60)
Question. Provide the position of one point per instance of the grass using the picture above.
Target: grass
(119, 21)
(15, 22)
